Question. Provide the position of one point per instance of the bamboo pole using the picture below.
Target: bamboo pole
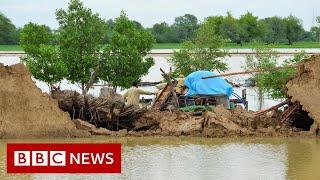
(249, 72)
(259, 113)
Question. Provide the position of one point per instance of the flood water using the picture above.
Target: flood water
(235, 63)
(199, 158)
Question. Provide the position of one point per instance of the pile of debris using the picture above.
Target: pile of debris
(220, 122)
(105, 111)
(298, 115)
(26, 112)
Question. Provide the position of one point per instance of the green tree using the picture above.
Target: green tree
(163, 33)
(8, 32)
(273, 81)
(185, 27)
(315, 30)
(315, 33)
(202, 53)
(263, 59)
(109, 31)
(42, 59)
(276, 29)
(81, 34)
(293, 29)
(33, 35)
(231, 29)
(216, 23)
(249, 28)
(124, 56)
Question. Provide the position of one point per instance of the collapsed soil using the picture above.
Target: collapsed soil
(305, 87)
(26, 112)
(220, 122)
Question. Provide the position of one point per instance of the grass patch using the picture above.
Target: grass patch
(300, 44)
(166, 46)
(226, 45)
(10, 48)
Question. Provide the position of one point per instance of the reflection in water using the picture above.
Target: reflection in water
(201, 158)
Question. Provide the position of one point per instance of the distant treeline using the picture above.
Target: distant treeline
(246, 28)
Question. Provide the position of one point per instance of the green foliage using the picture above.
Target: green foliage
(230, 28)
(8, 32)
(203, 53)
(315, 31)
(124, 56)
(293, 28)
(164, 33)
(78, 54)
(81, 33)
(185, 27)
(109, 31)
(32, 36)
(272, 82)
(46, 65)
(250, 28)
(42, 59)
(275, 29)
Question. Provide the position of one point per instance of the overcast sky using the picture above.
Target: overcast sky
(149, 12)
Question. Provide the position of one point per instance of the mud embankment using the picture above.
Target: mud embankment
(305, 88)
(217, 123)
(27, 112)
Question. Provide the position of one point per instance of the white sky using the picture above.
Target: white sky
(149, 12)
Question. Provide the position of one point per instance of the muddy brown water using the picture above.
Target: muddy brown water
(199, 158)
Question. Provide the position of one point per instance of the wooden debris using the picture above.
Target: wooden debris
(168, 91)
(99, 111)
(272, 108)
(289, 112)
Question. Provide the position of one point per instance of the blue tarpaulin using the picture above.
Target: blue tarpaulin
(212, 86)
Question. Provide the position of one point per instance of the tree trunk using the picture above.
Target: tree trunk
(83, 88)
(115, 88)
(260, 98)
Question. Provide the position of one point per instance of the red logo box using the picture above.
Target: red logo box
(63, 158)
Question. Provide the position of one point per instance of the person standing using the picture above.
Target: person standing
(132, 96)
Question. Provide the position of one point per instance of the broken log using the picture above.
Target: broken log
(102, 111)
(290, 111)
(272, 108)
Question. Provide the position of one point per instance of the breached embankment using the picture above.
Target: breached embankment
(217, 123)
(26, 112)
(305, 88)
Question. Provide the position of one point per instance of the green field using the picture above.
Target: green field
(261, 45)
(167, 46)
(227, 45)
(247, 45)
(10, 48)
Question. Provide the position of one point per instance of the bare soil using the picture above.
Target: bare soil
(305, 87)
(26, 112)
(220, 122)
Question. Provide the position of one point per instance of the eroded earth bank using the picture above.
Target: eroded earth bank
(27, 112)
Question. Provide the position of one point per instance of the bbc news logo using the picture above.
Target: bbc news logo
(64, 158)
